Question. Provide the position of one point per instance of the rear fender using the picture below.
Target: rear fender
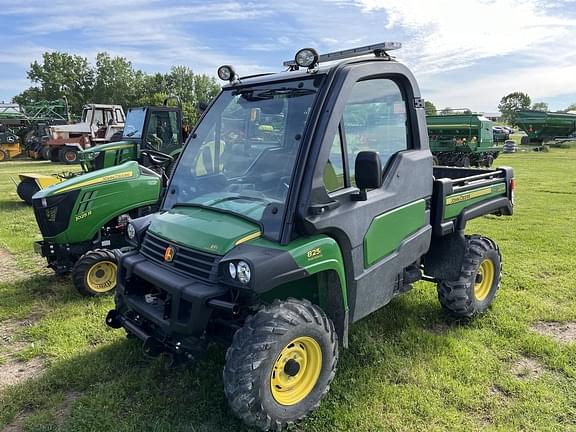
(42, 180)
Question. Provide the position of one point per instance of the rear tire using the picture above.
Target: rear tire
(45, 153)
(4, 156)
(69, 155)
(280, 364)
(94, 274)
(26, 190)
(525, 140)
(473, 292)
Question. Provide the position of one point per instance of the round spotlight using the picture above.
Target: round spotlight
(131, 231)
(306, 57)
(226, 73)
(243, 271)
(232, 270)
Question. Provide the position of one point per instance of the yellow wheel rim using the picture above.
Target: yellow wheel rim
(101, 277)
(484, 279)
(296, 371)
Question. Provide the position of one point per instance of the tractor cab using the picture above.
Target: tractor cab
(152, 136)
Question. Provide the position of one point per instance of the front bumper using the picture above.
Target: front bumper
(61, 257)
(153, 301)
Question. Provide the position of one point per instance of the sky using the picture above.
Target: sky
(464, 53)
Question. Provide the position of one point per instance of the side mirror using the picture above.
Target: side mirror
(367, 172)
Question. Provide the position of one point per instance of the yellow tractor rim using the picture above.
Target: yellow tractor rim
(484, 279)
(101, 277)
(296, 371)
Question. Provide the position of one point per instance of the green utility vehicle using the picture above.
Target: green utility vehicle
(462, 140)
(82, 218)
(541, 126)
(303, 202)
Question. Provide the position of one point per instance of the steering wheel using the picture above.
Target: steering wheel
(156, 158)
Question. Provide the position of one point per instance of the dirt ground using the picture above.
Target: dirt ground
(562, 332)
(9, 272)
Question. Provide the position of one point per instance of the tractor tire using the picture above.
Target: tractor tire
(69, 156)
(94, 274)
(280, 364)
(45, 153)
(4, 156)
(474, 291)
(26, 190)
(525, 140)
(435, 161)
(54, 154)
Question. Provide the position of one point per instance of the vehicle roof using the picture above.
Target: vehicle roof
(323, 69)
(102, 106)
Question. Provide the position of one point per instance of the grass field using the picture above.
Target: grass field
(409, 367)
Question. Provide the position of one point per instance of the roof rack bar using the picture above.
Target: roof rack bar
(354, 52)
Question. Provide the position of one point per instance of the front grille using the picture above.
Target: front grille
(54, 218)
(191, 262)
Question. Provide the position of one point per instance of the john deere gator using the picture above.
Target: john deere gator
(462, 140)
(275, 240)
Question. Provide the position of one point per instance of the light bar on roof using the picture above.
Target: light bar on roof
(354, 52)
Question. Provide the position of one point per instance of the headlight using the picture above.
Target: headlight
(232, 270)
(131, 231)
(226, 73)
(243, 272)
(306, 57)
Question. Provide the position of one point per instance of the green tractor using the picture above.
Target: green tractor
(303, 202)
(82, 218)
(462, 139)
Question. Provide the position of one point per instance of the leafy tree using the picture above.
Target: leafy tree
(571, 107)
(115, 79)
(540, 106)
(430, 108)
(511, 103)
(60, 74)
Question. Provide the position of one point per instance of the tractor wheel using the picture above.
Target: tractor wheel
(26, 190)
(489, 161)
(525, 140)
(4, 156)
(94, 274)
(435, 161)
(475, 289)
(280, 364)
(54, 155)
(69, 155)
(45, 153)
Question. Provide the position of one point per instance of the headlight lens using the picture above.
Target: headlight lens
(232, 270)
(131, 231)
(243, 272)
(306, 57)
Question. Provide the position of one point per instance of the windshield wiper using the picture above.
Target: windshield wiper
(131, 133)
(219, 210)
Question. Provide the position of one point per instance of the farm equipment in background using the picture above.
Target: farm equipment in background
(144, 120)
(82, 218)
(99, 124)
(462, 140)
(9, 144)
(542, 127)
(28, 123)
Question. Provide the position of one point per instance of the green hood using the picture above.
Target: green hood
(203, 229)
(122, 172)
(104, 147)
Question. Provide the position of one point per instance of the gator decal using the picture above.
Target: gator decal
(458, 202)
(103, 179)
(454, 199)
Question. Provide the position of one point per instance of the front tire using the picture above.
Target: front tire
(473, 292)
(69, 155)
(280, 364)
(94, 274)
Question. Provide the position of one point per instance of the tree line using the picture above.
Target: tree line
(113, 80)
(509, 104)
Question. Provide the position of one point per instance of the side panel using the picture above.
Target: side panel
(455, 203)
(381, 240)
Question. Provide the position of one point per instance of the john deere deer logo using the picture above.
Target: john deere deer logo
(169, 254)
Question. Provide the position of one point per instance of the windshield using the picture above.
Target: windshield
(134, 123)
(242, 155)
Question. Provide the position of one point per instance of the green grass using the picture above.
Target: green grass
(409, 367)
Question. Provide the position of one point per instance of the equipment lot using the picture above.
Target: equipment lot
(409, 366)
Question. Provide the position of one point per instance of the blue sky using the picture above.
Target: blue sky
(465, 53)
